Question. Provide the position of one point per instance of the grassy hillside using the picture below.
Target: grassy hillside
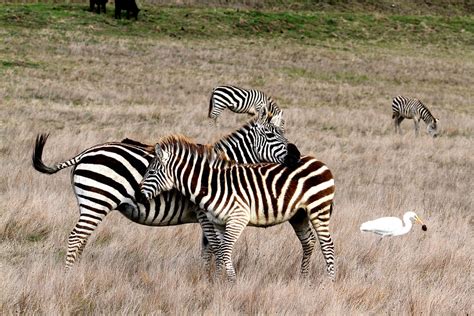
(204, 23)
(88, 79)
(405, 7)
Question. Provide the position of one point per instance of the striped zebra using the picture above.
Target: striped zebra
(106, 177)
(408, 108)
(240, 100)
(234, 196)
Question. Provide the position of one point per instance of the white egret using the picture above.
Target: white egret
(392, 226)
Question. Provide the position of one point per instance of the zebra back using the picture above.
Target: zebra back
(410, 108)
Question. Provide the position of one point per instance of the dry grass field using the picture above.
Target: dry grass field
(86, 89)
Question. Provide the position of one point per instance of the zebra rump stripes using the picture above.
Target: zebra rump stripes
(240, 100)
(408, 108)
(234, 196)
(106, 177)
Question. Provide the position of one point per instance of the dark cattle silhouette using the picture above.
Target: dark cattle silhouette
(97, 6)
(129, 5)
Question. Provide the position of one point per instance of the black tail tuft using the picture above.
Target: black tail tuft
(38, 153)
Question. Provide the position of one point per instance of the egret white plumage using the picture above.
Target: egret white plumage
(392, 226)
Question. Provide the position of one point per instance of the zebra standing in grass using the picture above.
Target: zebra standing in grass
(408, 108)
(240, 100)
(234, 196)
(106, 177)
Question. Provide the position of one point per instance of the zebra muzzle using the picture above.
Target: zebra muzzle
(141, 198)
(293, 156)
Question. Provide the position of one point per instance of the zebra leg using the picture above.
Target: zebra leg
(397, 120)
(78, 237)
(233, 230)
(210, 242)
(303, 231)
(417, 125)
(320, 221)
(219, 233)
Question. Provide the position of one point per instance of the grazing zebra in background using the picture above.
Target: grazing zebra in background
(408, 108)
(240, 100)
(234, 196)
(106, 177)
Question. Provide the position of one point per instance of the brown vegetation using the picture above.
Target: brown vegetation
(336, 100)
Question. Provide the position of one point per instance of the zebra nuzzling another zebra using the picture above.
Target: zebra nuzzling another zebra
(240, 100)
(408, 108)
(234, 196)
(106, 177)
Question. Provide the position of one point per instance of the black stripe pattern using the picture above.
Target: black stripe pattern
(106, 177)
(235, 195)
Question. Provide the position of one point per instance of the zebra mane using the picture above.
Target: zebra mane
(229, 136)
(247, 127)
(134, 142)
(181, 143)
(430, 117)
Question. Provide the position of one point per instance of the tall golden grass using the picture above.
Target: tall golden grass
(336, 100)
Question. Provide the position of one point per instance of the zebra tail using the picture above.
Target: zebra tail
(211, 105)
(37, 159)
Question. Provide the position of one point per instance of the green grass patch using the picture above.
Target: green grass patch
(336, 77)
(37, 236)
(205, 23)
(18, 63)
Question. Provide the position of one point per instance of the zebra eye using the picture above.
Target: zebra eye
(271, 134)
(151, 171)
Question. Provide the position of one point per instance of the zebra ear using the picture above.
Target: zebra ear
(263, 115)
(165, 156)
(158, 152)
(277, 119)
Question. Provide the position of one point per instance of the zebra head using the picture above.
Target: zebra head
(157, 177)
(269, 143)
(433, 127)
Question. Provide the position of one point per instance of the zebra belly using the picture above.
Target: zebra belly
(267, 218)
(157, 216)
(167, 209)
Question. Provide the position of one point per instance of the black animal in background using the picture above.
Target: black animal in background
(97, 6)
(129, 5)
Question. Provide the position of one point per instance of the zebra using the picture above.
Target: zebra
(106, 177)
(234, 196)
(241, 100)
(408, 108)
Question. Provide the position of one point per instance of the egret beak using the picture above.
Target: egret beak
(419, 221)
